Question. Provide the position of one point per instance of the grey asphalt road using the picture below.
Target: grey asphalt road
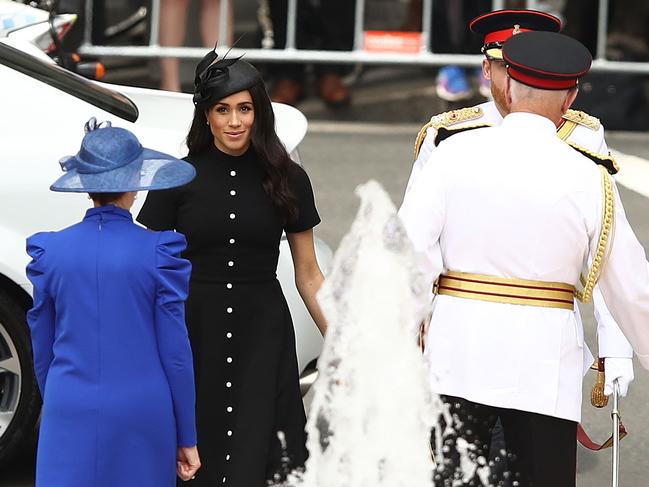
(338, 157)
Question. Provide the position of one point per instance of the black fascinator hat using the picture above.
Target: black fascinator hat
(217, 78)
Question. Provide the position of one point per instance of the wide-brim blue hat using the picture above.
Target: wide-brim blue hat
(112, 160)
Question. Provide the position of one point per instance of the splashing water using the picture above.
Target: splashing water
(372, 411)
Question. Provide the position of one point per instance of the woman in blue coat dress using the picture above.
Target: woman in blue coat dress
(111, 353)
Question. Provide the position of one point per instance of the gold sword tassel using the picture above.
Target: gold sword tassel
(597, 397)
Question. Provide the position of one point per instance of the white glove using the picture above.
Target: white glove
(620, 369)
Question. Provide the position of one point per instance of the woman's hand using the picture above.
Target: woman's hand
(188, 462)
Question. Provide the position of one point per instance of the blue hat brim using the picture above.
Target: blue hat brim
(152, 170)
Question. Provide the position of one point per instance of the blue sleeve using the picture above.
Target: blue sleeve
(41, 317)
(173, 342)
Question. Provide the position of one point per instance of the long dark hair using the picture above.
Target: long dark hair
(271, 152)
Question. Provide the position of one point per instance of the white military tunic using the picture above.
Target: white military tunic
(611, 341)
(530, 210)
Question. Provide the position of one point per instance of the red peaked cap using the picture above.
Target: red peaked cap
(546, 60)
(498, 26)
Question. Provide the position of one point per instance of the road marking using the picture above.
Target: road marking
(634, 172)
(332, 127)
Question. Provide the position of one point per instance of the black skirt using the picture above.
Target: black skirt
(247, 383)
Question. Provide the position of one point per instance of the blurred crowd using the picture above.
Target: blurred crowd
(329, 25)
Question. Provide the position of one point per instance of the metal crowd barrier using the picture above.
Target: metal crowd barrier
(425, 56)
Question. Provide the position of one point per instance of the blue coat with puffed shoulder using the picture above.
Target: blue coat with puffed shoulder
(111, 352)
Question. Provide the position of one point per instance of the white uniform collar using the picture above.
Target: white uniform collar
(530, 121)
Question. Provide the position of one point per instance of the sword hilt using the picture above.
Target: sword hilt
(597, 396)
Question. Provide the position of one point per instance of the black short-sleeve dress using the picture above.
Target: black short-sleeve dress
(239, 323)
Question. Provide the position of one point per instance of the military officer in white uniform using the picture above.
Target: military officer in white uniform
(581, 131)
(507, 254)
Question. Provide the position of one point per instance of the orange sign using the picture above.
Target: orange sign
(392, 41)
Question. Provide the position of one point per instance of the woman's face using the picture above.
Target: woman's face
(230, 121)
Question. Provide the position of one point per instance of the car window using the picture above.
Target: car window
(109, 100)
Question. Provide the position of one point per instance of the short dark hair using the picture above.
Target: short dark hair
(104, 199)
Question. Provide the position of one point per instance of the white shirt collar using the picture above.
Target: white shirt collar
(529, 121)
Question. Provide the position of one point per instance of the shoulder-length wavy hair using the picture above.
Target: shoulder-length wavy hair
(266, 144)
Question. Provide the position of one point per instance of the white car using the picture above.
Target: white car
(42, 112)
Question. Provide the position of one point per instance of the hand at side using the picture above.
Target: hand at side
(188, 462)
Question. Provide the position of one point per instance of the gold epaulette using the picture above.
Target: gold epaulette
(607, 161)
(582, 118)
(446, 119)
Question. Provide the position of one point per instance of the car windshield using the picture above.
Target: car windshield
(71, 83)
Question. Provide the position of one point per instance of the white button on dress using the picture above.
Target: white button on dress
(228, 334)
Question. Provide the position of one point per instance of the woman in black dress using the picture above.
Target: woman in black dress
(247, 191)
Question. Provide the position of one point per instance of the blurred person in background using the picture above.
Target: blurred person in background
(618, 98)
(449, 35)
(627, 25)
(321, 25)
(173, 25)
